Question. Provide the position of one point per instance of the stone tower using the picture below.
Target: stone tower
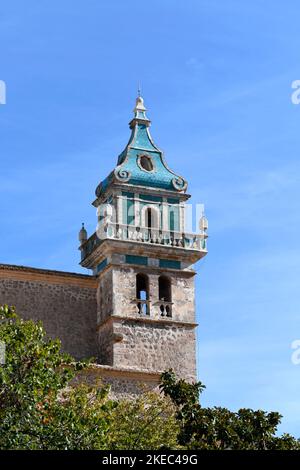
(143, 260)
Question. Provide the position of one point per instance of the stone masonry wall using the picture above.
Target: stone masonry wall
(97, 317)
(105, 344)
(154, 343)
(104, 296)
(156, 347)
(124, 384)
(65, 303)
(124, 288)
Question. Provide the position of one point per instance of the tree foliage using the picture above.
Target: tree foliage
(42, 407)
(218, 428)
(146, 423)
(37, 408)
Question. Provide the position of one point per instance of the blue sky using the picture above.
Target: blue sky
(216, 77)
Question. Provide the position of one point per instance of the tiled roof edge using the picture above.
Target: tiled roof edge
(14, 267)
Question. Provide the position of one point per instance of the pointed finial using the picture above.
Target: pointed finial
(139, 111)
(139, 104)
(82, 234)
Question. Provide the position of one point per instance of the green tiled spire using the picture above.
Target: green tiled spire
(142, 163)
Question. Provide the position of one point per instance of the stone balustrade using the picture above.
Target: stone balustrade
(110, 230)
(143, 306)
(165, 308)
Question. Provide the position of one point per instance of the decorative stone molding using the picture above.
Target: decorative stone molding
(179, 183)
(122, 175)
(22, 273)
(140, 165)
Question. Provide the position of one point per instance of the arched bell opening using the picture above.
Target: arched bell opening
(142, 294)
(165, 296)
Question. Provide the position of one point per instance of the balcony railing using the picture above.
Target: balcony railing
(165, 308)
(144, 235)
(143, 306)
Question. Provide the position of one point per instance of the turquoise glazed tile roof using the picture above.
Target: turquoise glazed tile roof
(141, 162)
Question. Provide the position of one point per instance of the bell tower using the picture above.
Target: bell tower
(143, 259)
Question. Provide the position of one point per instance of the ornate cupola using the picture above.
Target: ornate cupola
(142, 163)
(142, 192)
(142, 254)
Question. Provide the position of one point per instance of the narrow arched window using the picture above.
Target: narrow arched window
(149, 218)
(172, 221)
(165, 296)
(142, 294)
(151, 223)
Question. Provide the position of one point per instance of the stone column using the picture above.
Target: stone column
(181, 217)
(137, 211)
(119, 208)
(165, 214)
